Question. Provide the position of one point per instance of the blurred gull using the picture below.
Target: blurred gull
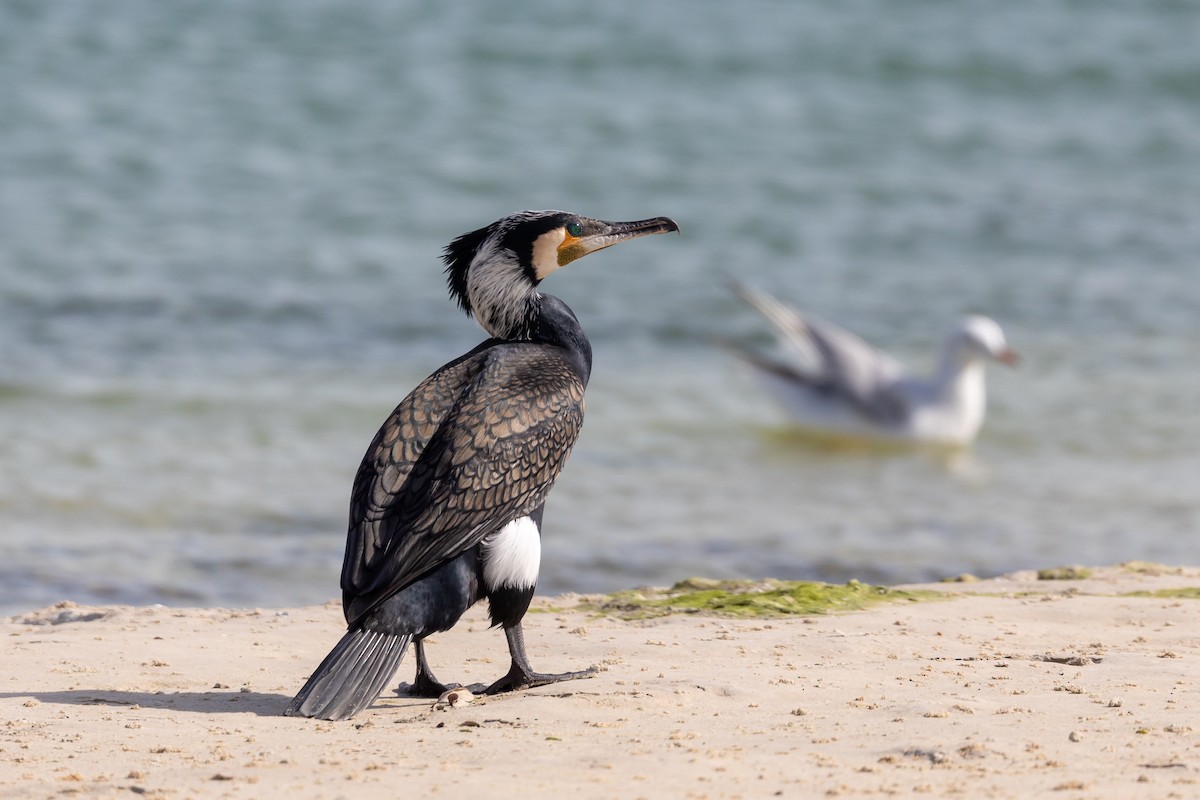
(839, 385)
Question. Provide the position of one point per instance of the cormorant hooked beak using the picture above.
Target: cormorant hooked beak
(583, 235)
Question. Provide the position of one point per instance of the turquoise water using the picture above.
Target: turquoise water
(220, 226)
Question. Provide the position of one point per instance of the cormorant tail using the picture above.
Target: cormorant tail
(351, 676)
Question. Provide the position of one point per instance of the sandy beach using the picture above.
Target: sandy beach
(1008, 687)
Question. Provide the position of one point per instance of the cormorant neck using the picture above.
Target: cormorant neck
(502, 298)
(556, 324)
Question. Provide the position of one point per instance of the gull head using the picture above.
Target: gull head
(978, 337)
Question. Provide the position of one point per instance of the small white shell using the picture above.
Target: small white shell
(454, 698)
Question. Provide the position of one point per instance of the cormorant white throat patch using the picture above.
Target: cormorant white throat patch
(545, 252)
(512, 556)
(499, 292)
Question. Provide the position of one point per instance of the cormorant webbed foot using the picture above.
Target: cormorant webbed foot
(425, 684)
(521, 675)
(518, 678)
(424, 687)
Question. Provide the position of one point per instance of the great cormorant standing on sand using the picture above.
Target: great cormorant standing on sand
(446, 508)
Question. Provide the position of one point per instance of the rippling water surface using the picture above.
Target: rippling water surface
(219, 235)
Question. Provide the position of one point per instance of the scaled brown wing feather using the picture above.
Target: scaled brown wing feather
(475, 446)
(392, 454)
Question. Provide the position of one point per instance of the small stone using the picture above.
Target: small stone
(1075, 736)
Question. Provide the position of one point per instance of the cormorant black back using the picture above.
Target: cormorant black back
(446, 508)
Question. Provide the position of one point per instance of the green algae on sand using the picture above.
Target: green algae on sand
(1150, 568)
(1064, 574)
(746, 598)
(1177, 593)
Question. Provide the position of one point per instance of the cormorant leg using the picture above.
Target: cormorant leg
(425, 685)
(521, 675)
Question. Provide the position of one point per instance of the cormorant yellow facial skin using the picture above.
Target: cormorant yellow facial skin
(572, 247)
(556, 248)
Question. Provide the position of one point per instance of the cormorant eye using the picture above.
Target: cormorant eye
(574, 228)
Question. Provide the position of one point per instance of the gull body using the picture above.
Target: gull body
(836, 384)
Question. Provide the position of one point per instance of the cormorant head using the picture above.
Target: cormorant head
(493, 272)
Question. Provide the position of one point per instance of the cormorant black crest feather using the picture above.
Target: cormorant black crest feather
(457, 256)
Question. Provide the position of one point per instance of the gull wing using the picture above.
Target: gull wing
(865, 376)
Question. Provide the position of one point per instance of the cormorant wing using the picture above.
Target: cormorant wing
(862, 374)
(476, 445)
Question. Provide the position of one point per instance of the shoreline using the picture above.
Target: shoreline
(1005, 687)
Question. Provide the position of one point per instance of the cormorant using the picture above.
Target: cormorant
(446, 508)
(841, 385)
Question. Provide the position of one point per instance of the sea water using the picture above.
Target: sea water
(220, 229)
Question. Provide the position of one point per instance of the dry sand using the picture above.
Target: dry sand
(935, 698)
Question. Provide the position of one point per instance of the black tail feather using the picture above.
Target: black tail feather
(351, 676)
